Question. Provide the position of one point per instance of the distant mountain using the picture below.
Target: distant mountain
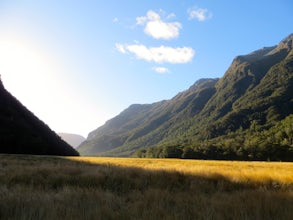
(73, 140)
(21, 132)
(228, 118)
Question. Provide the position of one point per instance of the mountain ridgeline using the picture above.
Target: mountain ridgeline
(247, 115)
(21, 132)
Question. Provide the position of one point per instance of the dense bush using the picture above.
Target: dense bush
(254, 143)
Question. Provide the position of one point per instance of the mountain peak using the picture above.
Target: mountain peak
(203, 83)
(255, 55)
(285, 45)
(288, 41)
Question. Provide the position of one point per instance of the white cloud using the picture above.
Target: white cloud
(120, 48)
(160, 69)
(201, 14)
(115, 20)
(161, 30)
(157, 28)
(153, 16)
(162, 54)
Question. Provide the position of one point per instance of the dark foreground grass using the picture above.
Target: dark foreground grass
(34, 187)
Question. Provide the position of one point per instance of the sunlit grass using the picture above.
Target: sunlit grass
(41, 187)
(233, 170)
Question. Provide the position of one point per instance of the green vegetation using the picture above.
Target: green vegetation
(39, 187)
(245, 115)
(21, 132)
(255, 143)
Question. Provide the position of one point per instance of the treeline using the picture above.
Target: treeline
(255, 143)
(270, 152)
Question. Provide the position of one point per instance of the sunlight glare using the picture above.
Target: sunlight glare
(32, 77)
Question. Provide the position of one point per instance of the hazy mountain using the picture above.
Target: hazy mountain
(149, 123)
(256, 90)
(73, 140)
(21, 132)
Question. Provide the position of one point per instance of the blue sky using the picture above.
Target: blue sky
(76, 64)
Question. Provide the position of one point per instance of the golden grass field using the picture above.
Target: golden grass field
(254, 172)
(41, 187)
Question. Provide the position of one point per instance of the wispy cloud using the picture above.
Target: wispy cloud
(115, 20)
(121, 48)
(162, 54)
(157, 28)
(160, 69)
(201, 14)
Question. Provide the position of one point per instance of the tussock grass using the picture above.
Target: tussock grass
(39, 187)
(235, 171)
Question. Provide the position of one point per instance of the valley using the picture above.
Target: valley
(147, 110)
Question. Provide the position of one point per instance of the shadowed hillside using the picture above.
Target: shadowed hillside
(21, 132)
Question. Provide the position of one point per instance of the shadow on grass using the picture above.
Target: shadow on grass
(40, 187)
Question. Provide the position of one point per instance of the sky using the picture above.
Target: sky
(76, 64)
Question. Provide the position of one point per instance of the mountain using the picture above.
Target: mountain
(254, 97)
(73, 140)
(21, 132)
(148, 123)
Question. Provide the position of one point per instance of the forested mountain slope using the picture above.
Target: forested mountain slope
(254, 96)
(148, 124)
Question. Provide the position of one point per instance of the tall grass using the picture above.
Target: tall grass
(35, 187)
